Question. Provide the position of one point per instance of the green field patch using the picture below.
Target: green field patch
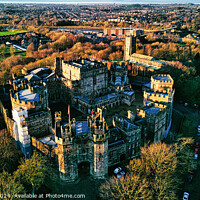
(7, 50)
(11, 32)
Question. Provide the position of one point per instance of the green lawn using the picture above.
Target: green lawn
(8, 50)
(11, 32)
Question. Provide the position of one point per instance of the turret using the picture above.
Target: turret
(100, 141)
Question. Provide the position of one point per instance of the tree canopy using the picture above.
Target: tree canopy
(156, 175)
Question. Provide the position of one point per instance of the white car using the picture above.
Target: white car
(117, 170)
(120, 174)
(195, 156)
(185, 196)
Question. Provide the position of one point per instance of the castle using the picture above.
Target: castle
(91, 88)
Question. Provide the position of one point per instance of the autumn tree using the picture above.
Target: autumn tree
(185, 156)
(116, 56)
(150, 177)
(2, 51)
(32, 171)
(129, 187)
(9, 155)
(12, 50)
(30, 49)
(9, 186)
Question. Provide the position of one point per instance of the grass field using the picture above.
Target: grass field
(8, 50)
(11, 32)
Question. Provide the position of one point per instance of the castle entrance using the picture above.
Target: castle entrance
(84, 169)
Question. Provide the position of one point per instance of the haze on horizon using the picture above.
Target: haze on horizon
(102, 1)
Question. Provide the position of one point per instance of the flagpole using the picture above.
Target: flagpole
(69, 113)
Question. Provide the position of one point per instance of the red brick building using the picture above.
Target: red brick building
(121, 32)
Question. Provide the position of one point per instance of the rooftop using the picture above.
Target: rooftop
(26, 95)
(35, 71)
(145, 65)
(82, 63)
(104, 98)
(82, 128)
(151, 110)
(48, 140)
(129, 92)
(162, 78)
(137, 55)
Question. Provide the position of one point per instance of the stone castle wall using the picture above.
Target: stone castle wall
(9, 122)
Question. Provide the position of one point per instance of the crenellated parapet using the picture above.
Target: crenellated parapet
(29, 96)
(162, 83)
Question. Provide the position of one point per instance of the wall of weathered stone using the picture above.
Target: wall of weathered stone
(9, 122)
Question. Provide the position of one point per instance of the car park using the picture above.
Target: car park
(186, 196)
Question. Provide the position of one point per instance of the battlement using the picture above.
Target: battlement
(28, 104)
(63, 141)
(83, 64)
(149, 110)
(99, 137)
(159, 105)
(58, 116)
(162, 78)
(24, 84)
(38, 115)
(158, 95)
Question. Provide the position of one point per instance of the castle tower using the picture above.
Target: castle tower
(58, 66)
(100, 143)
(130, 46)
(66, 157)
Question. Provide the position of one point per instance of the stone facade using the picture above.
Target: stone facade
(155, 120)
(131, 134)
(84, 141)
(161, 92)
(90, 86)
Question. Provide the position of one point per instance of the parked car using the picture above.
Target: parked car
(118, 172)
(186, 196)
(196, 144)
(190, 177)
(195, 156)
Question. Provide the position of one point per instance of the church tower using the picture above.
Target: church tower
(130, 46)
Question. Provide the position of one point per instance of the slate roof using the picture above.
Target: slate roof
(82, 128)
(26, 95)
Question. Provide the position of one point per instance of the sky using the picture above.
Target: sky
(103, 1)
